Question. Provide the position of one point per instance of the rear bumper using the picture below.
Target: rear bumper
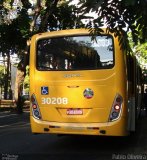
(116, 128)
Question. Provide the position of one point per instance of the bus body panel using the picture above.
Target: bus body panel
(116, 128)
(65, 109)
(94, 109)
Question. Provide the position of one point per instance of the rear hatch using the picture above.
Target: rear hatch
(74, 76)
(77, 96)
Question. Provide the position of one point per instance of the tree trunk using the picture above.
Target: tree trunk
(7, 77)
(22, 65)
(18, 87)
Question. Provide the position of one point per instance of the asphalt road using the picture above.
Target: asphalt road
(18, 143)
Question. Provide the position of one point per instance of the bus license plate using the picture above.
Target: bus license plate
(74, 112)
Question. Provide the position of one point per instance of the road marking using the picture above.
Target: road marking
(14, 125)
(8, 115)
(11, 114)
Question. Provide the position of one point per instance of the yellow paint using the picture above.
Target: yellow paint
(105, 83)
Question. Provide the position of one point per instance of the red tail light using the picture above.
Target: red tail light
(116, 108)
(35, 108)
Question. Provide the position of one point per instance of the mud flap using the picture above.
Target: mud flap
(131, 114)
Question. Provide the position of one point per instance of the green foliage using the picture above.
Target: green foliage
(58, 15)
(2, 75)
(141, 51)
(120, 16)
(11, 38)
(1, 68)
(16, 22)
(23, 24)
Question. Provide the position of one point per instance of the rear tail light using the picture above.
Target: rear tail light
(35, 108)
(116, 108)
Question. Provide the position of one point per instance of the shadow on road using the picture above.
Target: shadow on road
(25, 145)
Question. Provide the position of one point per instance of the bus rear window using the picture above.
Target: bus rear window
(75, 53)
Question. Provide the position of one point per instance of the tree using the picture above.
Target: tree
(21, 19)
(141, 51)
(120, 16)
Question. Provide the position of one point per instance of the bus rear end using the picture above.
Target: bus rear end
(74, 85)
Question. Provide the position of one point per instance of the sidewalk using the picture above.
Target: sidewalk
(10, 105)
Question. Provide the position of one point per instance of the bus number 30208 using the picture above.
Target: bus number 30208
(54, 100)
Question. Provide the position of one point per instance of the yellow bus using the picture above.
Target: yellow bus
(82, 85)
